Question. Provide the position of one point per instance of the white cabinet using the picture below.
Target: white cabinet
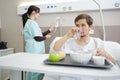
(8, 51)
(5, 74)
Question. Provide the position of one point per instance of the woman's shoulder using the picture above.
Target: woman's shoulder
(29, 21)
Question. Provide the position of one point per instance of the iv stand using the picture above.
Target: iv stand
(102, 20)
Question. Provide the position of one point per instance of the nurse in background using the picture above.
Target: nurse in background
(34, 37)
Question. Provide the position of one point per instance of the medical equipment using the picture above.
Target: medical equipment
(57, 23)
(69, 6)
(102, 19)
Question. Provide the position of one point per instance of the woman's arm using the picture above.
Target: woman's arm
(46, 32)
(41, 38)
(45, 35)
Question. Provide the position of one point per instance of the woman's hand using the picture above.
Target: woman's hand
(72, 31)
(48, 36)
(52, 29)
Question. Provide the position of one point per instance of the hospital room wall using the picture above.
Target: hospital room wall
(11, 30)
(0, 27)
(0, 34)
(11, 24)
(111, 18)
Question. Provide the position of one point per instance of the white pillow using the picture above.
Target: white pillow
(113, 48)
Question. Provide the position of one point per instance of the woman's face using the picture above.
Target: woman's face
(82, 25)
(35, 15)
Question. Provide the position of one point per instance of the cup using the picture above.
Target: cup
(98, 60)
(78, 34)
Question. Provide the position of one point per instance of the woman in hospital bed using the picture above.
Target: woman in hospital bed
(82, 41)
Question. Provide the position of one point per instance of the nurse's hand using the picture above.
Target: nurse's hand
(52, 29)
(48, 36)
(72, 31)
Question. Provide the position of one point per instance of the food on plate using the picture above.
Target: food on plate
(62, 55)
(56, 56)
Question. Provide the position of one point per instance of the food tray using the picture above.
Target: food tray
(69, 62)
